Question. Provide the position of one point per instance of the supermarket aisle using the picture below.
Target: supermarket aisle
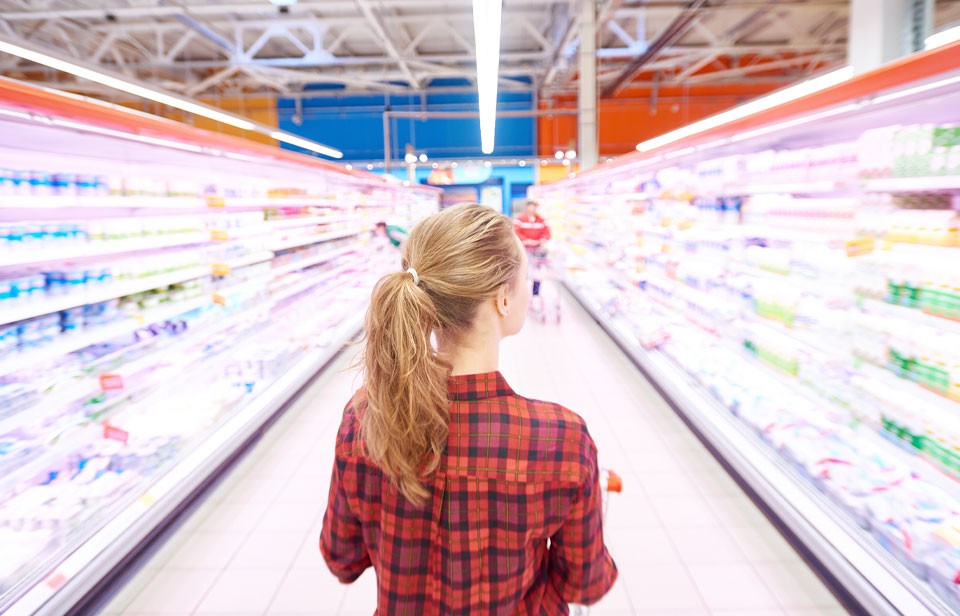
(686, 539)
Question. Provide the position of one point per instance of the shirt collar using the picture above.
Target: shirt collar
(469, 387)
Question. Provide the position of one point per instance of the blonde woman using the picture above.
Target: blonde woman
(465, 497)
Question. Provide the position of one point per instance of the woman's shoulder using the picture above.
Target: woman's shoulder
(348, 436)
(556, 420)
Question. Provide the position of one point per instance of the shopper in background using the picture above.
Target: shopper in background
(464, 496)
(397, 235)
(534, 233)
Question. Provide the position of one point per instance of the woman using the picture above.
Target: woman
(465, 497)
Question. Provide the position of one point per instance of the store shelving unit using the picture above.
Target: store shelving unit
(250, 304)
(800, 322)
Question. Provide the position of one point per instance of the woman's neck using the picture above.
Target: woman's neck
(475, 353)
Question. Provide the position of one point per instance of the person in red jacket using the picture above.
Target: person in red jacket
(534, 233)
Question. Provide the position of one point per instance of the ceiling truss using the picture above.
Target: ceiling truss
(202, 48)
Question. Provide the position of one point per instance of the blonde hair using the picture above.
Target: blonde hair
(461, 256)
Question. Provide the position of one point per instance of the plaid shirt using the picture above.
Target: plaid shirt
(513, 523)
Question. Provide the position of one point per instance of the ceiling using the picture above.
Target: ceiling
(246, 48)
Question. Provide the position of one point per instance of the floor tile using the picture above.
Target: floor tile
(242, 591)
(616, 601)
(763, 544)
(641, 546)
(361, 596)
(268, 550)
(660, 589)
(290, 517)
(174, 591)
(705, 545)
(227, 517)
(738, 511)
(685, 511)
(308, 592)
(732, 587)
(207, 550)
(308, 556)
(796, 586)
(657, 485)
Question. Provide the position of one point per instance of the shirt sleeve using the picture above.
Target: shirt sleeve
(341, 538)
(581, 569)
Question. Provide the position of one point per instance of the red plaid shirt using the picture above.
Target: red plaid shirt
(513, 523)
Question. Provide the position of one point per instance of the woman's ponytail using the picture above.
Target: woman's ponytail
(404, 425)
(456, 259)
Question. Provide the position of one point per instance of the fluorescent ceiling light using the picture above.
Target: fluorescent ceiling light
(755, 106)
(126, 86)
(944, 37)
(160, 97)
(486, 31)
(306, 144)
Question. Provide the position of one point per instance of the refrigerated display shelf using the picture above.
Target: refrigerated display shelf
(310, 261)
(299, 287)
(937, 183)
(100, 293)
(313, 239)
(821, 187)
(140, 513)
(250, 259)
(100, 248)
(103, 202)
(817, 523)
(305, 221)
(67, 343)
(914, 315)
(281, 202)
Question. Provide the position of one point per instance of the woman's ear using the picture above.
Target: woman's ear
(503, 300)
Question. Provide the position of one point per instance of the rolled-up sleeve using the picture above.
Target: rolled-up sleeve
(341, 538)
(581, 568)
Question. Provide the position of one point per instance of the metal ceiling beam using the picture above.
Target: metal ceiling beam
(761, 68)
(669, 36)
(376, 22)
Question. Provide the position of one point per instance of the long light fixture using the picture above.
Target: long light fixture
(306, 144)
(755, 106)
(125, 86)
(486, 31)
(164, 98)
(944, 37)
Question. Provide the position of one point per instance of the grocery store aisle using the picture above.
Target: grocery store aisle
(686, 539)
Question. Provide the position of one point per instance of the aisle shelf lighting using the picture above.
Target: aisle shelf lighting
(750, 108)
(486, 31)
(157, 96)
(570, 154)
(306, 144)
(944, 37)
(410, 158)
(423, 158)
(559, 155)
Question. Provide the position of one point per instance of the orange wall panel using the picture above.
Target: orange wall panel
(629, 118)
(262, 109)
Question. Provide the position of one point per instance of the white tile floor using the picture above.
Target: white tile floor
(686, 539)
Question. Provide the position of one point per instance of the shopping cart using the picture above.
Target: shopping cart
(609, 482)
(545, 306)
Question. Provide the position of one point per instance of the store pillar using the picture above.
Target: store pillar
(883, 30)
(588, 147)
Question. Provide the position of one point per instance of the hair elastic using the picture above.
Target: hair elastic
(416, 278)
